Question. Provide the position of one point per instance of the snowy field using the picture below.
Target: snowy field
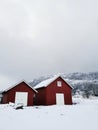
(81, 116)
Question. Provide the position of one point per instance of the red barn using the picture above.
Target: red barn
(20, 93)
(53, 91)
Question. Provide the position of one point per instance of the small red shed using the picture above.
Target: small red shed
(53, 91)
(19, 93)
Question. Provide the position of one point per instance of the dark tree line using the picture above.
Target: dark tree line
(86, 89)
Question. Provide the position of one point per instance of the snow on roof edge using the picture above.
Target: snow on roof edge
(46, 82)
(5, 90)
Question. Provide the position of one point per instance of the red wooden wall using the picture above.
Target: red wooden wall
(40, 98)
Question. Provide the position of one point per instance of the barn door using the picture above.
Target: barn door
(60, 99)
(21, 98)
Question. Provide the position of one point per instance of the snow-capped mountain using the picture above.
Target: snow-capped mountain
(79, 81)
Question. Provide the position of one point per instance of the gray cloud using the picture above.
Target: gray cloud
(47, 37)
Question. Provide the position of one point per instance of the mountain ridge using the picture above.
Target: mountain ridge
(84, 82)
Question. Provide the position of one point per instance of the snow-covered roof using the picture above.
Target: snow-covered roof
(46, 82)
(5, 90)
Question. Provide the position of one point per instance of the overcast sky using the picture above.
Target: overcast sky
(44, 37)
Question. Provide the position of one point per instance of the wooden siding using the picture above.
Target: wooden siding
(40, 98)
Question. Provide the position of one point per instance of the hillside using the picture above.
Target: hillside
(87, 83)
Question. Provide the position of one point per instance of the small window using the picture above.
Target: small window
(59, 83)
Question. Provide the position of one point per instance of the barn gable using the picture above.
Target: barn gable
(7, 89)
(46, 82)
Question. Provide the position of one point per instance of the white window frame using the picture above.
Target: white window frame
(59, 83)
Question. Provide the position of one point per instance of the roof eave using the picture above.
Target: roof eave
(19, 83)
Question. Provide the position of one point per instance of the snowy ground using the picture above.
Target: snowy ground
(82, 116)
